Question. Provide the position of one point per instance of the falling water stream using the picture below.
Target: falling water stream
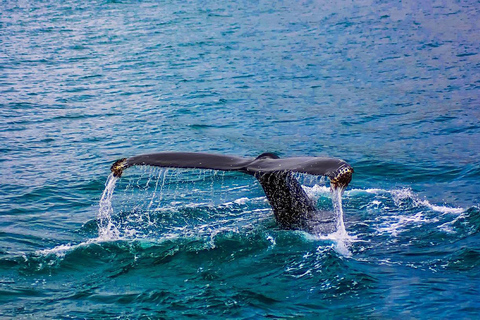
(108, 229)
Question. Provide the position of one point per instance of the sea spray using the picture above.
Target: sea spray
(109, 229)
(338, 210)
(106, 229)
(341, 237)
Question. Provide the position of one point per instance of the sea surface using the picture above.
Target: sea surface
(391, 87)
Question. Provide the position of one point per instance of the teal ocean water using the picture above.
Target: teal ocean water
(392, 87)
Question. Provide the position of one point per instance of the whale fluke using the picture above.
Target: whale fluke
(292, 207)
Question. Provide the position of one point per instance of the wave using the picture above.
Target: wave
(378, 223)
(398, 195)
(371, 212)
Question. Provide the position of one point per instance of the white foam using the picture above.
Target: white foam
(316, 191)
(442, 209)
(342, 241)
(405, 194)
(62, 249)
(340, 237)
(58, 250)
(353, 192)
(448, 227)
(405, 200)
(397, 194)
(241, 201)
(395, 224)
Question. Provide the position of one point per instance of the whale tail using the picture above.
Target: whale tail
(338, 171)
(291, 205)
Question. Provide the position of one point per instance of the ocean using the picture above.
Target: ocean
(391, 87)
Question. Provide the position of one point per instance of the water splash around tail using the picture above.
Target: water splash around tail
(106, 228)
(338, 210)
(144, 201)
(340, 236)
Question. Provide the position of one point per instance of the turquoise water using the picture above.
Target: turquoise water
(391, 87)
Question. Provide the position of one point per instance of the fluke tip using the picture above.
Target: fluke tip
(118, 167)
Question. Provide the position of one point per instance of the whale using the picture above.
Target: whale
(292, 207)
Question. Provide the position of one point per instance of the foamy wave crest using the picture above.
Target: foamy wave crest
(399, 195)
(396, 224)
(61, 250)
(401, 210)
(406, 193)
(340, 238)
(395, 211)
(341, 241)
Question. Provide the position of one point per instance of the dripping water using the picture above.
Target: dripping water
(340, 236)
(145, 202)
(106, 228)
(338, 211)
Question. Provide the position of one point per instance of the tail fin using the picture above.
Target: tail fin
(292, 207)
(118, 167)
(339, 172)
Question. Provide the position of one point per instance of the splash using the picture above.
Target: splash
(338, 210)
(106, 228)
(407, 193)
(340, 236)
(398, 195)
(337, 233)
(148, 202)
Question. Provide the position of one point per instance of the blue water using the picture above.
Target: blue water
(392, 87)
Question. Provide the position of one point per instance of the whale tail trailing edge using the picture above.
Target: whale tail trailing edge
(292, 207)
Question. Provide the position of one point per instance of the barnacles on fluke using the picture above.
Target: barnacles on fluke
(118, 167)
(341, 177)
